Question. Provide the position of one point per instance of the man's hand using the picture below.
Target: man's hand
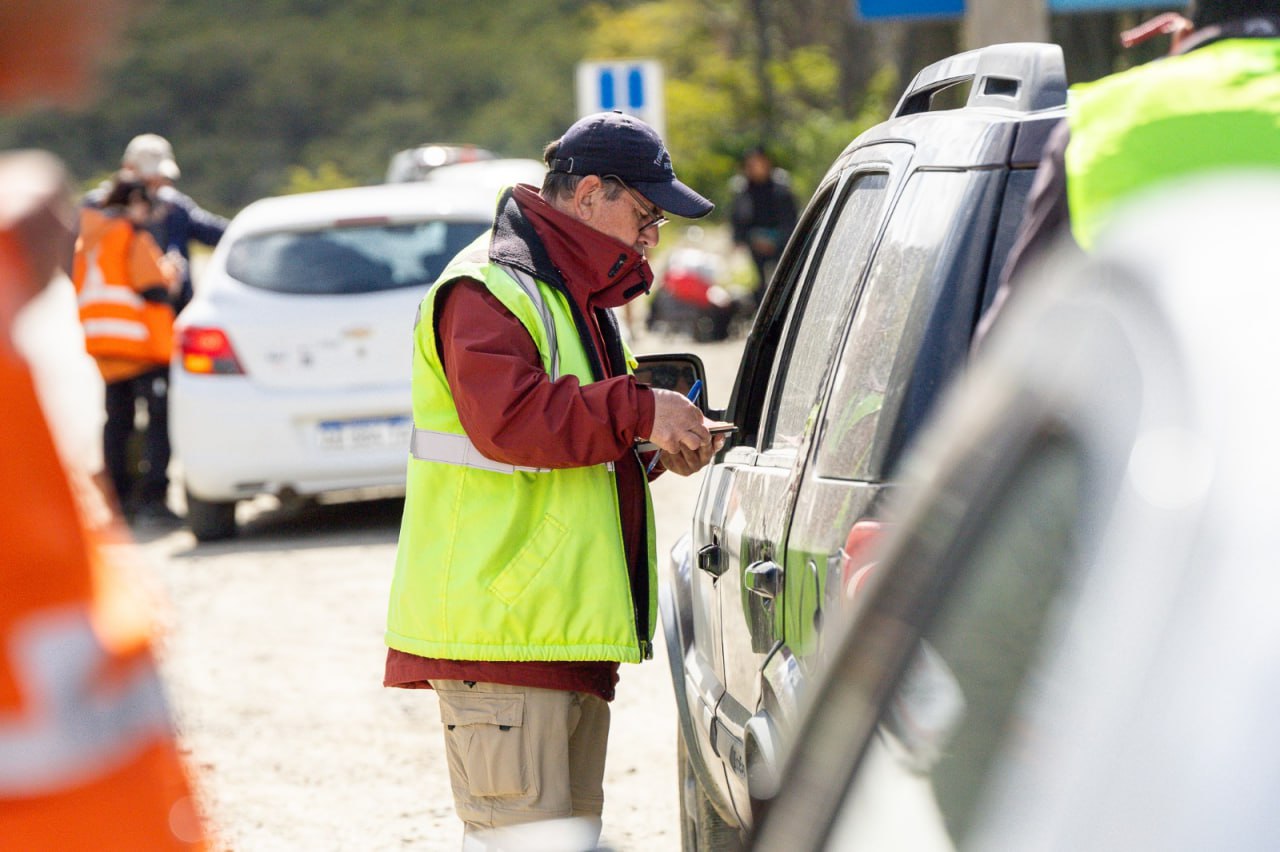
(678, 425)
(688, 462)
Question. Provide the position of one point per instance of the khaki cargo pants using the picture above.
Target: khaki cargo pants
(520, 755)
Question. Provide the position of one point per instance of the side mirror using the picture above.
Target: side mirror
(676, 372)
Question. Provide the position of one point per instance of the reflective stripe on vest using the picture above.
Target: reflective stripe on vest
(448, 448)
(74, 727)
(530, 287)
(114, 328)
(95, 292)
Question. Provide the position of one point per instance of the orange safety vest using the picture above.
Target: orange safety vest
(87, 753)
(114, 264)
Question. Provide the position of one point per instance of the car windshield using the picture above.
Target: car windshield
(355, 259)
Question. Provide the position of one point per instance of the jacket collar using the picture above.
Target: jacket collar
(592, 268)
(532, 236)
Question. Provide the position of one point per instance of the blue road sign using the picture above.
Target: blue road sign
(631, 85)
(1104, 5)
(890, 9)
(879, 9)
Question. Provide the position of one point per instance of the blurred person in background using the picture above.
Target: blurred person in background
(763, 213)
(173, 222)
(177, 219)
(1212, 104)
(525, 566)
(124, 287)
(88, 759)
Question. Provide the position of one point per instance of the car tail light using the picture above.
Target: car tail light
(208, 351)
(859, 556)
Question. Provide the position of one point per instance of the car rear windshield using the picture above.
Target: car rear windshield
(363, 258)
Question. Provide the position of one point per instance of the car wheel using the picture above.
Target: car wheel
(210, 520)
(702, 829)
(704, 329)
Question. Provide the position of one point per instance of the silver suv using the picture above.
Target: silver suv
(869, 313)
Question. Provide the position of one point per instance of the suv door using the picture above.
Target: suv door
(739, 537)
(910, 331)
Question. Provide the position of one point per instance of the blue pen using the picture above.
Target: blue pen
(693, 397)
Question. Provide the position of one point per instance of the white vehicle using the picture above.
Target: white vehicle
(494, 173)
(291, 370)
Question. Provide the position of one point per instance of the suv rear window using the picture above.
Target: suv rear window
(356, 259)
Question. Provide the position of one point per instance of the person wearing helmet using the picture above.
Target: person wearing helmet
(178, 219)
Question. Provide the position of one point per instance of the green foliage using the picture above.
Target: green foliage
(266, 96)
(326, 176)
(247, 90)
(715, 106)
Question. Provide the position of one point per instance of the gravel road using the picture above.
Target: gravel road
(272, 650)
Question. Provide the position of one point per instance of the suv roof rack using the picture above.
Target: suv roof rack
(1021, 76)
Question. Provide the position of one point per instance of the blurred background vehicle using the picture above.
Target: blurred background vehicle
(412, 164)
(496, 174)
(292, 370)
(691, 294)
(869, 314)
(1071, 640)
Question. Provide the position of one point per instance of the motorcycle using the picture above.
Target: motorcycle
(689, 298)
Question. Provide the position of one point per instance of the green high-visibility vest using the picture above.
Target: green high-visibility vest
(497, 562)
(1216, 107)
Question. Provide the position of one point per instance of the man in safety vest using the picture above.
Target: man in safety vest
(1213, 104)
(525, 568)
(124, 286)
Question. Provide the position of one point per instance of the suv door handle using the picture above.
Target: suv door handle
(763, 579)
(709, 559)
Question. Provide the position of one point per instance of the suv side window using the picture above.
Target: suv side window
(821, 315)
(941, 732)
(911, 265)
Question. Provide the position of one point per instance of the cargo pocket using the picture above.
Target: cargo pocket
(520, 571)
(486, 734)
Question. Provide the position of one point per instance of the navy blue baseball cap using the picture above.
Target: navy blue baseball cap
(614, 143)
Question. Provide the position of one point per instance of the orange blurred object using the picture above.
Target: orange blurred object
(52, 48)
(88, 758)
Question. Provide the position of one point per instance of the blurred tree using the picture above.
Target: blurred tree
(250, 90)
(247, 89)
(327, 176)
(733, 81)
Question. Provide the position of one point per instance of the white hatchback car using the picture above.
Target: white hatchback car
(291, 371)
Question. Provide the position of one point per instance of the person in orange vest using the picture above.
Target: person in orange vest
(88, 759)
(124, 287)
(87, 755)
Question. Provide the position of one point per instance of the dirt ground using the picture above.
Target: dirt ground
(272, 651)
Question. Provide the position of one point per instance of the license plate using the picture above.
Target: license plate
(373, 433)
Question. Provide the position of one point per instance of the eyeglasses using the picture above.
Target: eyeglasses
(650, 217)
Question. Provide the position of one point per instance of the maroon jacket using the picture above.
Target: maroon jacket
(514, 413)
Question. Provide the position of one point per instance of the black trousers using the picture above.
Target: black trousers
(143, 477)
